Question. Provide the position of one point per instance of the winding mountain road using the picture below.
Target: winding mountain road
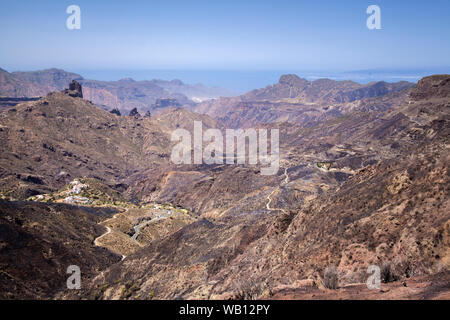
(286, 181)
(137, 228)
(108, 229)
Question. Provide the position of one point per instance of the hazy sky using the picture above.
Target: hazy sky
(224, 35)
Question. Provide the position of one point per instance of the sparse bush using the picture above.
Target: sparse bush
(104, 287)
(331, 278)
(325, 165)
(129, 289)
(249, 290)
(387, 273)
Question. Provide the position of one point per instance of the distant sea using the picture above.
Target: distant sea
(243, 81)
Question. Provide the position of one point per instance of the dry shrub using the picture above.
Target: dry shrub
(331, 278)
(249, 289)
(387, 273)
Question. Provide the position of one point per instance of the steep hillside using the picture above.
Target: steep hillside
(392, 212)
(59, 137)
(47, 143)
(38, 242)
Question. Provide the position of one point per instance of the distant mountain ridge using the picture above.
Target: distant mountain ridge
(125, 94)
(291, 86)
(34, 84)
(197, 92)
(298, 100)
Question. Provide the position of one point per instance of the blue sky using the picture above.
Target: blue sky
(320, 35)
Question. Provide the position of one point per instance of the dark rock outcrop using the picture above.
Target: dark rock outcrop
(134, 113)
(74, 90)
(116, 112)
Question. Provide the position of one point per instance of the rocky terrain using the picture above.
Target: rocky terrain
(363, 180)
(49, 142)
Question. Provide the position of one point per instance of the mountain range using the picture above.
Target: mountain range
(363, 180)
(125, 94)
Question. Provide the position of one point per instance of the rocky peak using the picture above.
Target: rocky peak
(432, 86)
(74, 90)
(292, 80)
